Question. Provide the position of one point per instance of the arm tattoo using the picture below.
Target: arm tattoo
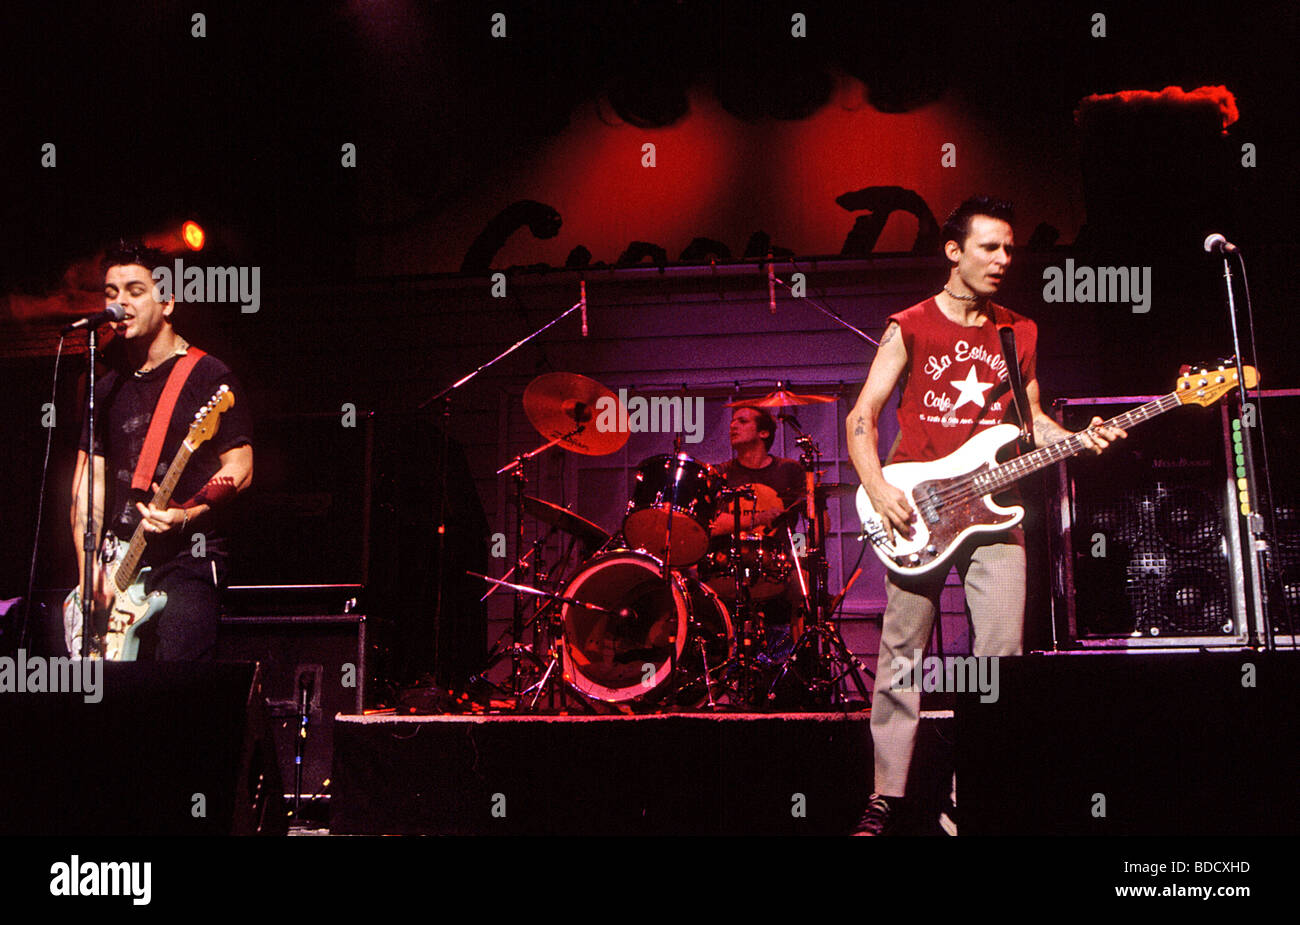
(889, 333)
(1047, 431)
(860, 429)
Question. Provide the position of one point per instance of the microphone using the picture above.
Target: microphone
(583, 285)
(1217, 242)
(771, 288)
(114, 312)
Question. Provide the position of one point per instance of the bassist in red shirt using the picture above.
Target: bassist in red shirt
(946, 355)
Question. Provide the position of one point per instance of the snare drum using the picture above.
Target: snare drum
(673, 503)
(767, 559)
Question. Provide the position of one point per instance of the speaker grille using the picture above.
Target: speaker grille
(1148, 544)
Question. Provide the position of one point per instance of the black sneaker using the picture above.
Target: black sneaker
(879, 816)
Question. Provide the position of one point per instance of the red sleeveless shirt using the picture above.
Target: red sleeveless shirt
(955, 383)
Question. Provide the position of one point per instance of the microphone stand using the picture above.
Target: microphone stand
(88, 543)
(305, 694)
(830, 313)
(446, 455)
(1257, 542)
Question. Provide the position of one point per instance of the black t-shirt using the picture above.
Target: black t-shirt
(784, 476)
(124, 407)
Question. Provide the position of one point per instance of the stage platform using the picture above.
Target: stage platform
(1179, 743)
(665, 774)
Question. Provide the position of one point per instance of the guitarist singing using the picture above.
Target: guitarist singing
(187, 542)
(946, 354)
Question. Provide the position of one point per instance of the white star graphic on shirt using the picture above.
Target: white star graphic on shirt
(972, 390)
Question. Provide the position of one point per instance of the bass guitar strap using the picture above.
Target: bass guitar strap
(1008, 336)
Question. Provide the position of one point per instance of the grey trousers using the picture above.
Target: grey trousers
(993, 574)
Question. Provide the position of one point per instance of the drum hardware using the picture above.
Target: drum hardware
(768, 562)
(444, 395)
(819, 645)
(547, 668)
(562, 407)
(492, 589)
(741, 581)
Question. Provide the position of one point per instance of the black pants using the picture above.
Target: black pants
(186, 629)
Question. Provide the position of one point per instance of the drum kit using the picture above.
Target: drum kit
(664, 615)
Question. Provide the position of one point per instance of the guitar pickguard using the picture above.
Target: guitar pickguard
(130, 610)
(943, 516)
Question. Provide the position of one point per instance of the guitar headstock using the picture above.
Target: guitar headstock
(207, 418)
(1203, 386)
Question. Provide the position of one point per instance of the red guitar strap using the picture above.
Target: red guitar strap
(162, 417)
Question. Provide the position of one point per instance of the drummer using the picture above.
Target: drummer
(752, 432)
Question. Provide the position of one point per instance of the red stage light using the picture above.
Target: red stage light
(192, 232)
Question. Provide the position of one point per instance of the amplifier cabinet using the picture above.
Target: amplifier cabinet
(323, 655)
(1145, 545)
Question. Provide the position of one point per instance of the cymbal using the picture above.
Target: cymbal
(558, 403)
(781, 398)
(566, 520)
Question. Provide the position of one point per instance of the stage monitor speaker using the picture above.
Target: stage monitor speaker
(324, 654)
(171, 748)
(1146, 550)
(1133, 743)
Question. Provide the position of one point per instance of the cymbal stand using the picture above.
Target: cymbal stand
(445, 394)
(519, 650)
(549, 673)
(831, 660)
(494, 651)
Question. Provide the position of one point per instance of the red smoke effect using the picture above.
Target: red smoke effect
(82, 291)
(1220, 98)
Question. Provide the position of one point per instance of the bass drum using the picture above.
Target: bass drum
(656, 651)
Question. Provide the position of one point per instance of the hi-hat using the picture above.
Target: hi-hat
(562, 406)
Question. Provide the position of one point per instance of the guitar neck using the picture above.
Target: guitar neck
(130, 564)
(1002, 476)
